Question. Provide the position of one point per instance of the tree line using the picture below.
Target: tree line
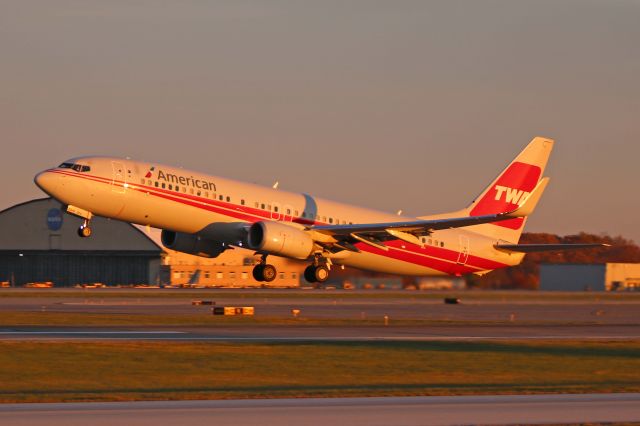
(527, 276)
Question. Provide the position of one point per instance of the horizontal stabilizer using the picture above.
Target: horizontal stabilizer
(536, 248)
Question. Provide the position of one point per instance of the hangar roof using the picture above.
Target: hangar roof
(42, 224)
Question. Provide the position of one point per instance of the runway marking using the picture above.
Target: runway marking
(88, 332)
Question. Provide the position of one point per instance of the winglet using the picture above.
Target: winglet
(529, 204)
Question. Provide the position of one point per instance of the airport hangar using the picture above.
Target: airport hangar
(590, 277)
(39, 243)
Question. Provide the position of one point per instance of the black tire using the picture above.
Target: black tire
(84, 232)
(310, 274)
(269, 273)
(321, 273)
(257, 272)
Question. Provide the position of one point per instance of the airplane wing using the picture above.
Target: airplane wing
(375, 233)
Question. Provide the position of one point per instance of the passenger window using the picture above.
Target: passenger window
(198, 194)
(288, 211)
(262, 206)
(156, 184)
(143, 181)
(163, 186)
(296, 213)
(191, 191)
(275, 209)
(429, 241)
(228, 199)
(330, 220)
(257, 205)
(177, 188)
(170, 186)
(221, 198)
(441, 243)
(184, 189)
(242, 202)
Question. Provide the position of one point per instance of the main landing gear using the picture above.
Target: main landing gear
(85, 230)
(318, 272)
(263, 271)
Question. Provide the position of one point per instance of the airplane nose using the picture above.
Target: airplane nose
(46, 181)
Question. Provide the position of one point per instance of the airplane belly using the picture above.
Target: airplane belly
(379, 263)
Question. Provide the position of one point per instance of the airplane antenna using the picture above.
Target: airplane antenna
(275, 185)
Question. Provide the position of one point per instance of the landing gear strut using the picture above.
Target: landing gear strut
(263, 271)
(85, 230)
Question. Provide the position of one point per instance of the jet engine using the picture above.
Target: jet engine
(279, 239)
(192, 244)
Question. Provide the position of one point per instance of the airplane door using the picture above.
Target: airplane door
(463, 255)
(118, 184)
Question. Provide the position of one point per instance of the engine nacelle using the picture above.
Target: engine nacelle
(280, 239)
(192, 244)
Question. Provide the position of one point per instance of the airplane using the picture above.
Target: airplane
(205, 215)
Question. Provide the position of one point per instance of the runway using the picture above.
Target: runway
(404, 411)
(293, 333)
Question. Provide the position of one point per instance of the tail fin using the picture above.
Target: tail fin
(510, 188)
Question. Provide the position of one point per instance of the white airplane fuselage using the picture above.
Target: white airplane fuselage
(188, 202)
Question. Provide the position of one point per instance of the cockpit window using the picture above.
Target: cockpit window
(76, 167)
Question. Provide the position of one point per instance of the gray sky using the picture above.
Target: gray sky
(412, 105)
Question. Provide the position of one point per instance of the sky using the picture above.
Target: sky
(412, 105)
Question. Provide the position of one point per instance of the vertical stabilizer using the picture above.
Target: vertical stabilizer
(510, 188)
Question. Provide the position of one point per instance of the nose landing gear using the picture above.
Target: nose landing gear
(85, 230)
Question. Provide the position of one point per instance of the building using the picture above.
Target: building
(590, 277)
(40, 243)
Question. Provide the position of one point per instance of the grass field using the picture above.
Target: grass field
(100, 371)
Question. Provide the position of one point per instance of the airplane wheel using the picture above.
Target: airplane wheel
(309, 274)
(269, 273)
(257, 272)
(84, 231)
(321, 273)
